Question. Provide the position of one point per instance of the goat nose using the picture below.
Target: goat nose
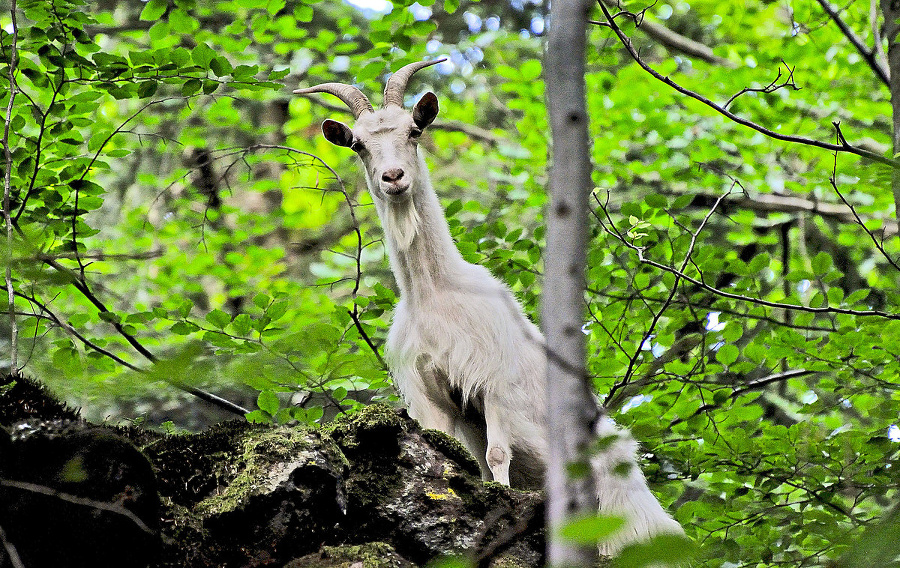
(392, 175)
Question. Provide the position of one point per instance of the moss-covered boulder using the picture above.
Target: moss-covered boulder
(371, 489)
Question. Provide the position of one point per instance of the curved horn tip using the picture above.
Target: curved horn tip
(396, 83)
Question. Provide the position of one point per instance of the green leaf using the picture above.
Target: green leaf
(110, 317)
(591, 529)
(154, 9)
(203, 55)
(661, 550)
(244, 72)
(531, 69)
(303, 13)
(242, 324)
(191, 87)
(370, 71)
(221, 66)
(268, 402)
(314, 413)
(821, 263)
(261, 301)
(183, 328)
(727, 354)
(258, 417)
(218, 318)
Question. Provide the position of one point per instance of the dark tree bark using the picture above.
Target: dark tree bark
(572, 410)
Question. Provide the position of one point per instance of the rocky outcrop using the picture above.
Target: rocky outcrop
(369, 489)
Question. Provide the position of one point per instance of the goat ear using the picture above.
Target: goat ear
(337, 133)
(425, 110)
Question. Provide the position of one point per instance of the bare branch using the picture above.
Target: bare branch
(771, 87)
(752, 385)
(11, 551)
(674, 41)
(115, 508)
(870, 55)
(833, 181)
(844, 147)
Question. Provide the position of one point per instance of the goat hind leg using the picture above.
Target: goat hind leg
(499, 449)
(622, 491)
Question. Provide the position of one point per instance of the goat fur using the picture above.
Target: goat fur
(462, 353)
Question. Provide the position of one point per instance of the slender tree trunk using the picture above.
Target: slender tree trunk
(891, 9)
(572, 410)
(7, 213)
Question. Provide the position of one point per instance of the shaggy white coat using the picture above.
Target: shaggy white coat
(466, 359)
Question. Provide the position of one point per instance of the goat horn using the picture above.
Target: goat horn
(396, 85)
(352, 97)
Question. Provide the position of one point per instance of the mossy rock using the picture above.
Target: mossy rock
(22, 398)
(370, 555)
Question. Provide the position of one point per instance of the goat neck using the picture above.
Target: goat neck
(423, 256)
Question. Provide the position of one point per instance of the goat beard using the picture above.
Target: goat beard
(402, 223)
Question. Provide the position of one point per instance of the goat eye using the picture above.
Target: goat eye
(415, 132)
(357, 146)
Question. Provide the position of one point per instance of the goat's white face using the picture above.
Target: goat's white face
(386, 140)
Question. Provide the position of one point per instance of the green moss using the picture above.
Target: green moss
(453, 449)
(370, 555)
(379, 417)
(260, 452)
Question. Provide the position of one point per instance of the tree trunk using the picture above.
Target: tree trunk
(571, 408)
(891, 9)
(7, 188)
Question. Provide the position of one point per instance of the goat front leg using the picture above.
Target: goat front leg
(426, 389)
(499, 449)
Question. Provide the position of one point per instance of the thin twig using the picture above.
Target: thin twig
(89, 167)
(658, 315)
(7, 189)
(201, 394)
(739, 297)
(354, 315)
(771, 87)
(75, 333)
(752, 385)
(116, 508)
(859, 221)
(80, 284)
(11, 551)
(844, 147)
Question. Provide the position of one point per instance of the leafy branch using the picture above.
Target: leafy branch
(679, 273)
(842, 146)
(673, 291)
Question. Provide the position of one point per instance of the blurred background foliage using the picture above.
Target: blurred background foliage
(178, 218)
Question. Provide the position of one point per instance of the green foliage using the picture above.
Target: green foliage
(177, 219)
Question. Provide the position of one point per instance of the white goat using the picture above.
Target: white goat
(462, 353)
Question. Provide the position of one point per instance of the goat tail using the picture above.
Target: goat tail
(622, 490)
